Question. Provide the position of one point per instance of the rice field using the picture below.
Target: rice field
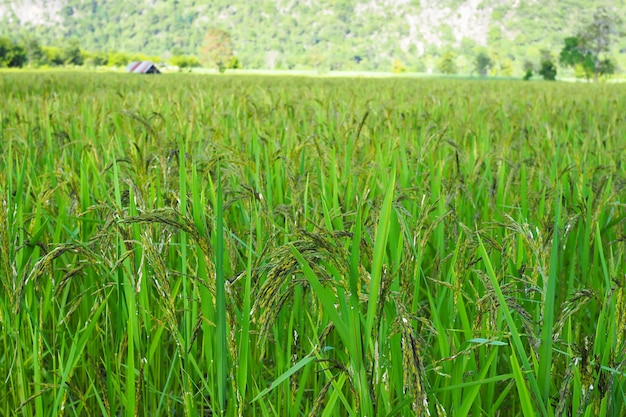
(188, 245)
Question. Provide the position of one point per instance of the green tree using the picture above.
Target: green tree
(217, 49)
(95, 59)
(447, 63)
(483, 63)
(573, 55)
(528, 75)
(18, 57)
(71, 53)
(529, 69)
(234, 63)
(184, 61)
(117, 59)
(34, 53)
(578, 55)
(11, 53)
(52, 55)
(398, 67)
(507, 68)
(548, 70)
(596, 38)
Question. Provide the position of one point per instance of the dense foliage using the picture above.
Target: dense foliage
(12, 54)
(327, 34)
(217, 50)
(181, 245)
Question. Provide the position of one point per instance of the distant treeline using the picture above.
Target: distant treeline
(30, 53)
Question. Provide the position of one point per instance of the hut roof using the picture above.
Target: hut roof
(143, 67)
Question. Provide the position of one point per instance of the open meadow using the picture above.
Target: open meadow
(195, 245)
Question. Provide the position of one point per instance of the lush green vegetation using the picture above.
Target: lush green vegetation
(176, 245)
(322, 34)
(31, 54)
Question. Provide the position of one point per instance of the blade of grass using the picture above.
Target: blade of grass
(545, 351)
(221, 348)
(469, 394)
(380, 246)
(285, 376)
(515, 335)
(524, 396)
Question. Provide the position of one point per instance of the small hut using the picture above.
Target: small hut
(142, 67)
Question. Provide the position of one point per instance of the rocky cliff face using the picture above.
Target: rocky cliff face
(34, 12)
(422, 22)
(336, 33)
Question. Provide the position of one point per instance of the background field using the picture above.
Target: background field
(284, 246)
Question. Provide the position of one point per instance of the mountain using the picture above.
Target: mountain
(332, 34)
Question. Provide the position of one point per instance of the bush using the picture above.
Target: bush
(11, 54)
(234, 63)
(483, 63)
(52, 55)
(71, 53)
(398, 67)
(528, 75)
(95, 59)
(447, 63)
(184, 61)
(118, 59)
(548, 70)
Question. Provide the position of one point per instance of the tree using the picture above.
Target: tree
(528, 75)
(18, 57)
(34, 53)
(117, 59)
(607, 67)
(398, 67)
(217, 49)
(507, 68)
(52, 55)
(234, 63)
(597, 37)
(548, 70)
(529, 69)
(95, 59)
(572, 55)
(71, 53)
(583, 61)
(184, 61)
(483, 63)
(11, 54)
(447, 63)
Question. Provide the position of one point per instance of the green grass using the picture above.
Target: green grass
(284, 246)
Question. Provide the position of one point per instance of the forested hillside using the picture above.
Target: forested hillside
(330, 34)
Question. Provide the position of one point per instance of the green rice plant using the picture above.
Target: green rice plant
(255, 246)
